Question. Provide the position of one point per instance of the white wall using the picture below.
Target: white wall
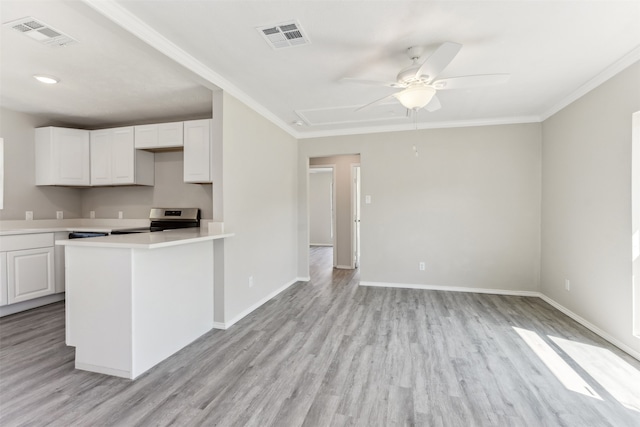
(20, 192)
(134, 201)
(586, 205)
(468, 206)
(260, 207)
(320, 208)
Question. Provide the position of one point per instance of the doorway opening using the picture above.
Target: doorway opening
(322, 213)
(339, 201)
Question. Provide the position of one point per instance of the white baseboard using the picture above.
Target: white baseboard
(243, 314)
(593, 328)
(452, 289)
(321, 244)
(28, 305)
(344, 267)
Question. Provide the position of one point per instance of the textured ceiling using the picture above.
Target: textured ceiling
(108, 77)
(552, 49)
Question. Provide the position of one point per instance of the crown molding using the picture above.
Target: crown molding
(420, 126)
(627, 60)
(131, 23)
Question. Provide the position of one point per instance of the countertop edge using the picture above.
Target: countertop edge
(91, 242)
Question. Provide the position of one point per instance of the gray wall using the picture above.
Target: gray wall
(586, 205)
(169, 191)
(468, 205)
(320, 208)
(259, 191)
(20, 192)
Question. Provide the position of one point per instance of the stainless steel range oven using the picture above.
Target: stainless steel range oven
(167, 219)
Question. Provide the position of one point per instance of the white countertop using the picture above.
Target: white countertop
(13, 227)
(158, 239)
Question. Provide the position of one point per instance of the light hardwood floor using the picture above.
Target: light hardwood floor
(331, 353)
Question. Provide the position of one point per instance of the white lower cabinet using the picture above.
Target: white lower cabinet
(58, 256)
(27, 269)
(4, 295)
(30, 274)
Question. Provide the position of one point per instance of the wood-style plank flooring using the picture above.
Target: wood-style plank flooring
(331, 353)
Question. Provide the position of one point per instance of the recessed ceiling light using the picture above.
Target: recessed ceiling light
(50, 80)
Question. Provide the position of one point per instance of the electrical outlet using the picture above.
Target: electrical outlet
(28, 215)
(251, 281)
(92, 214)
(120, 215)
(59, 214)
(567, 284)
(422, 266)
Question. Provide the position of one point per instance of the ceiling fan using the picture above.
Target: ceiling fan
(418, 80)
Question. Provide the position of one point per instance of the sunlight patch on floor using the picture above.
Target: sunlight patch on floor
(615, 375)
(561, 369)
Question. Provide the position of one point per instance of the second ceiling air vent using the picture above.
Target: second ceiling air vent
(286, 34)
(40, 32)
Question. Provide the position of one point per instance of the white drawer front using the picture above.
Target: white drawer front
(25, 241)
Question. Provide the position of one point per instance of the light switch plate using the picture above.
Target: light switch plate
(28, 215)
(92, 214)
(59, 215)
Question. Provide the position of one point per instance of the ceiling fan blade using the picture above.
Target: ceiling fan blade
(465, 82)
(433, 105)
(370, 82)
(439, 60)
(377, 101)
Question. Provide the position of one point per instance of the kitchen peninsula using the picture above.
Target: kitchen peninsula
(133, 300)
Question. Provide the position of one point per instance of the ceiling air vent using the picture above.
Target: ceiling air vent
(41, 32)
(286, 34)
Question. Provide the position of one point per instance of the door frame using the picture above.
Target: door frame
(355, 214)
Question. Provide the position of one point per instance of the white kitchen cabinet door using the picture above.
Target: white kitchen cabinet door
(197, 151)
(58, 257)
(146, 136)
(62, 156)
(30, 274)
(170, 135)
(101, 157)
(123, 156)
(4, 296)
(115, 161)
(159, 136)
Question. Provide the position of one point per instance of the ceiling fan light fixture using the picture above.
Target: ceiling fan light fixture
(50, 80)
(416, 97)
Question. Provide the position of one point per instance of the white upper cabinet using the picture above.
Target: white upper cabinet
(198, 153)
(115, 161)
(101, 157)
(62, 156)
(159, 136)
